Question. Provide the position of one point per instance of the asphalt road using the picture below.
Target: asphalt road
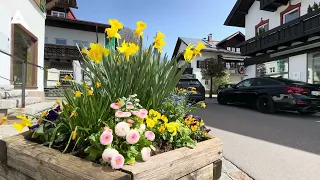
(282, 146)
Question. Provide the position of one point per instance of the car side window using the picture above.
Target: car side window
(264, 82)
(246, 83)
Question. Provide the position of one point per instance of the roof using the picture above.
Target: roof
(76, 24)
(238, 13)
(230, 37)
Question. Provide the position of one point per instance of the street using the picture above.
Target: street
(280, 146)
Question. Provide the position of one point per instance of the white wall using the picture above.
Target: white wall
(28, 14)
(255, 14)
(71, 35)
(298, 64)
(250, 72)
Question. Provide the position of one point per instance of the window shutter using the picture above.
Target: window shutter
(198, 64)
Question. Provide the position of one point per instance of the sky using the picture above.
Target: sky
(174, 18)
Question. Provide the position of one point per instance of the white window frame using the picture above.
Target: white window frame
(262, 26)
(59, 14)
(55, 41)
(284, 15)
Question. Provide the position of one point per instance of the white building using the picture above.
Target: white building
(224, 49)
(22, 35)
(282, 38)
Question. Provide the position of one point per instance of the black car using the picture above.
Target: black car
(189, 83)
(269, 94)
(224, 86)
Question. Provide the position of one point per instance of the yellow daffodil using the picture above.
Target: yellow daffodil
(140, 27)
(73, 113)
(25, 122)
(19, 127)
(203, 105)
(84, 50)
(161, 129)
(194, 128)
(150, 123)
(67, 78)
(58, 84)
(128, 49)
(44, 114)
(90, 92)
(189, 54)
(197, 50)
(159, 42)
(159, 36)
(98, 84)
(164, 119)
(3, 120)
(115, 24)
(112, 33)
(74, 135)
(77, 94)
(97, 52)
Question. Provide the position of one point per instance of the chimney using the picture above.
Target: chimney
(210, 37)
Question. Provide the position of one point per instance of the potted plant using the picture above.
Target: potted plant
(128, 122)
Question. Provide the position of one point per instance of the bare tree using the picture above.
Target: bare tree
(213, 68)
(128, 35)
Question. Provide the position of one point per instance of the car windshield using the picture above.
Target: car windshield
(189, 82)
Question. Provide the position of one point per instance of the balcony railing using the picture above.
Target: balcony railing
(53, 51)
(299, 29)
(272, 5)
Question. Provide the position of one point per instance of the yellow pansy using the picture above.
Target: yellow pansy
(188, 121)
(58, 83)
(189, 54)
(203, 105)
(128, 49)
(164, 119)
(150, 123)
(161, 129)
(140, 27)
(184, 90)
(194, 127)
(197, 50)
(3, 120)
(173, 127)
(90, 92)
(115, 24)
(97, 52)
(98, 84)
(44, 114)
(201, 123)
(67, 78)
(77, 94)
(112, 33)
(58, 102)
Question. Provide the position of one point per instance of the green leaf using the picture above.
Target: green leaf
(93, 152)
(39, 130)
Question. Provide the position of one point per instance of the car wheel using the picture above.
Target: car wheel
(221, 100)
(265, 104)
(306, 113)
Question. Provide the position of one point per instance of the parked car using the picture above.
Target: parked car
(188, 83)
(224, 86)
(269, 94)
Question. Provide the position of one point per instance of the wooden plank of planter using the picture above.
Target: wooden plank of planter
(205, 173)
(177, 163)
(40, 162)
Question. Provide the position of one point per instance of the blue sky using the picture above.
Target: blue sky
(175, 18)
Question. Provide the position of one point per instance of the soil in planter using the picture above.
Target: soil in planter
(161, 147)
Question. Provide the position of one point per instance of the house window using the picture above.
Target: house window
(229, 48)
(238, 50)
(290, 13)
(81, 43)
(61, 41)
(201, 64)
(262, 27)
(25, 46)
(274, 69)
(58, 14)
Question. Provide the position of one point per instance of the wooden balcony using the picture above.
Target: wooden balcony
(272, 5)
(298, 30)
(53, 51)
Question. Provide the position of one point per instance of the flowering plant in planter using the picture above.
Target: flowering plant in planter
(129, 110)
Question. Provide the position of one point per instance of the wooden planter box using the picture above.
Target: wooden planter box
(21, 159)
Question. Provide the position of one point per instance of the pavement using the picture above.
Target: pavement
(282, 146)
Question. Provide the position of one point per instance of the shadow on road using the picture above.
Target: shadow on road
(285, 128)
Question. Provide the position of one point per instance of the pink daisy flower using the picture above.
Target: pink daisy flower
(115, 106)
(132, 137)
(120, 114)
(122, 129)
(150, 135)
(106, 138)
(145, 153)
(107, 129)
(117, 161)
(108, 154)
(129, 106)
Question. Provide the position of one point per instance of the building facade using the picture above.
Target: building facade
(282, 38)
(22, 34)
(224, 49)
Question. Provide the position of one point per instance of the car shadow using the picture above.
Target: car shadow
(285, 128)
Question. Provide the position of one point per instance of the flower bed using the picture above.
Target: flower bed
(129, 117)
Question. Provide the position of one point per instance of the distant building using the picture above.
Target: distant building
(282, 38)
(225, 49)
